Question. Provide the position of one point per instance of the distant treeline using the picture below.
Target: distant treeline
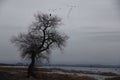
(3, 64)
(85, 65)
(65, 65)
(16, 64)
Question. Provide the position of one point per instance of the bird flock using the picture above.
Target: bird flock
(69, 7)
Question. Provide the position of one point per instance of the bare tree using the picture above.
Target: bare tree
(41, 39)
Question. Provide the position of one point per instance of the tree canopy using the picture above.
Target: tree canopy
(42, 37)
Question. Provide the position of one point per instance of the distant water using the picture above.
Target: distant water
(115, 70)
(93, 69)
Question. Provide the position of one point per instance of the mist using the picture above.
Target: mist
(93, 27)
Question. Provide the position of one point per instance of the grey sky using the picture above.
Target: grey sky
(92, 25)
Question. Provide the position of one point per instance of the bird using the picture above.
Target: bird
(50, 14)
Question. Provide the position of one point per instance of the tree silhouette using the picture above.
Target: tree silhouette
(42, 37)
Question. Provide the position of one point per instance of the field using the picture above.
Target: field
(61, 73)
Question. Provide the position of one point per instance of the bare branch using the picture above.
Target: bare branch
(41, 38)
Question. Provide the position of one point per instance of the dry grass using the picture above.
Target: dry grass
(42, 74)
(114, 78)
(77, 71)
(20, 74)
(55, 76)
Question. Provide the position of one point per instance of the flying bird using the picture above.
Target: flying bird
(69, 12)
(70, 9)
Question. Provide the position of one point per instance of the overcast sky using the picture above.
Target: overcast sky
(92, 25)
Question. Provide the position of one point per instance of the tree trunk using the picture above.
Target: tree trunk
(30, 71)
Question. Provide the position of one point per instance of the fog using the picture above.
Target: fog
(93, 27)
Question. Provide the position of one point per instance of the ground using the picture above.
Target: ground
(12, 73)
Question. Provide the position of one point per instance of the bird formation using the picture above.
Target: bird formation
(70, 8)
